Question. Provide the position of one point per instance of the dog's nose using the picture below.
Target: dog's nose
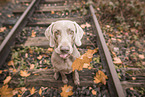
(64, 49)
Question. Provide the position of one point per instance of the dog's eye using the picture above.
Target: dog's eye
(57, 32)
(70, 32)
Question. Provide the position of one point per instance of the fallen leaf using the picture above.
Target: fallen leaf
(7, 80)
(32, 66)
(100, 77)
(24, 73)
(14, 70)
(131, 88)
(31, 51)
(66, 91)
(9, 15)
(10, 27)
(1, 71)
(86, 65)
(33, 34)
(117, 60)
(32, 91)
(50, 49)
(40, 91)
(26, 55)
(141, 56)
(15, 92)
(52, 12)
(23, 89)
(39, 57)
(133, 78)
(2, 29)
(94, 92)
(6, 92)
(85, 58)
(88, 25)
(83, 25)
(11, 63)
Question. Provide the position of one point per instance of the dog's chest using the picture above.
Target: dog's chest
(63, 65)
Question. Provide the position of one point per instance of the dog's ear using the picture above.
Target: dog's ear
(78, 34)
(49, 35)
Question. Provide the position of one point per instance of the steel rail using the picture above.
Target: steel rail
(114, 85)
(9, 40)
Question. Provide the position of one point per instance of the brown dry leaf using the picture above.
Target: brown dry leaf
(40, 91)
(85, 58)
(100, 77)
(1, 71)
(26, 55)
(131, 88)
(86, 65)
(32, 66)
(111, 35)
(94, 92)
(50, 49)
(52, 12)
(24, 73)
(32, 91)
(117, 60)
(40, 57)
(10, 27)
(5, 91)
(33, 33)
(2, 29)
(141, 56)
(9, 15)
(66, 91)
(30, 51)
(14, 70)
(83, 25)
(133, 78)
(11, 63)
(88, 25)
(7, 80)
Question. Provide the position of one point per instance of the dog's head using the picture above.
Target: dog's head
(63, 35)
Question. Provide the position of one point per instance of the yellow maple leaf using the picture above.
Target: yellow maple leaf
(100, 77)
(83, 59)
(32, 91)
(24, 73)
(2, 29)
(52, 12)
(50, 49)
(39, 57)
(5, 91)
(32, 66)
(1, 71)
(66, 91)
(8, 78)
(40, 91)
(33, 34)
(11, 63)
(117, 60)
(94, 92)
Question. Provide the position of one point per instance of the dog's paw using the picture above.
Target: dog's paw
(56, 75)
(77, 82)
(65, 81)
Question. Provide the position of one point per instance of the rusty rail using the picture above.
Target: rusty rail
(9, 40)
(114, 84)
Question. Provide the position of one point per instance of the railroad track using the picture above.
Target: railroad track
(31, 17)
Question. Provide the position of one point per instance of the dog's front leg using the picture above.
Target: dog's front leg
(64, 78)
(76, 77)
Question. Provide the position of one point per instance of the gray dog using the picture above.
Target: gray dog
(64, 35)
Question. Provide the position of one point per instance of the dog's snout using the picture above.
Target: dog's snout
(64, 49)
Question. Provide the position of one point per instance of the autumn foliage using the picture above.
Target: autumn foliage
(85, 58)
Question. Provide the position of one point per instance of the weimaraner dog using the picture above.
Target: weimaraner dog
(64, 35)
